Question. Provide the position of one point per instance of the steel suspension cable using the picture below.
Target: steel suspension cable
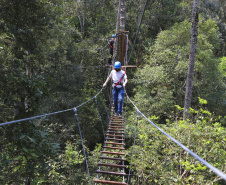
(126, 120)
(84, 151)
(89, 99)
(30, 118)
(40, 116)
(137, 31)
(215, 170)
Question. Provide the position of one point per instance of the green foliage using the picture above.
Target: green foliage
(157, 160)
(202, 101)
(164, 75)
(25, 150)
(215, 10)
(70, 168)
(158, 16)
(222, 66)
(48, 50)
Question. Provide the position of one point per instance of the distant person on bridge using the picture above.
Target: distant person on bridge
(111, 49)
(119, 79)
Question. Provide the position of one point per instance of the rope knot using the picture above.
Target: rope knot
(75, 110)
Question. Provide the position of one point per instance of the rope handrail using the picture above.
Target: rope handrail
(40, 116)
(211, 167)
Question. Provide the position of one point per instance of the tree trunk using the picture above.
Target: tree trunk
(28, 73)
(191, 65)
(81, 21)
(118, 17)
(122, 15)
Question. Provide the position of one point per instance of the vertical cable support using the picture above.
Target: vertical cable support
(137, 31)
(133, 147)
(125, 113)
(99, 116)
(105, 106)
(84, 151)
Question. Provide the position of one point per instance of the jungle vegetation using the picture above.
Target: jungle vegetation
(49, 53)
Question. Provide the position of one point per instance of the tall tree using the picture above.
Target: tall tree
(161, 83)
(122, 15)
(191, 64)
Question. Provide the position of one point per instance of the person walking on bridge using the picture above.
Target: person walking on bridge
(111, 49)
(119, 79)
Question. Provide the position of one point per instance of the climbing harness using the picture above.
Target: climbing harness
(120, 81)
(110, 41)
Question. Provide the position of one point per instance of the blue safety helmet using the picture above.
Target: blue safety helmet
(117, 64)
(113, 36)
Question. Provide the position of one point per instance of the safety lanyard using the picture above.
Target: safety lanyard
(111, 46)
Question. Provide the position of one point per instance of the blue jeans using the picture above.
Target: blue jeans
(118, 94)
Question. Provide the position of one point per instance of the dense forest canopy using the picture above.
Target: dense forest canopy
(50, 51)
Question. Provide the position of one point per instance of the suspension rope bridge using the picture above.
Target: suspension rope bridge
(115, 137)
(112, 160)
(112, 157)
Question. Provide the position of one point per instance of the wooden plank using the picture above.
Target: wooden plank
(112, 158)
(114, 143)
(112, 135)
(130, 66)
(117, 121)
(114, 139)
(115, 132)
(111, 173)
(114, 153)
(117, 118)
(112, 147)
(115, 127)
(108, 182)
(119, 32)
(112, 165)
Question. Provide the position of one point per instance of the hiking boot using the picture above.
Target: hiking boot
(115, 114)
(120, 115)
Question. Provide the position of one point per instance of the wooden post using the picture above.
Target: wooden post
(121, 46)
